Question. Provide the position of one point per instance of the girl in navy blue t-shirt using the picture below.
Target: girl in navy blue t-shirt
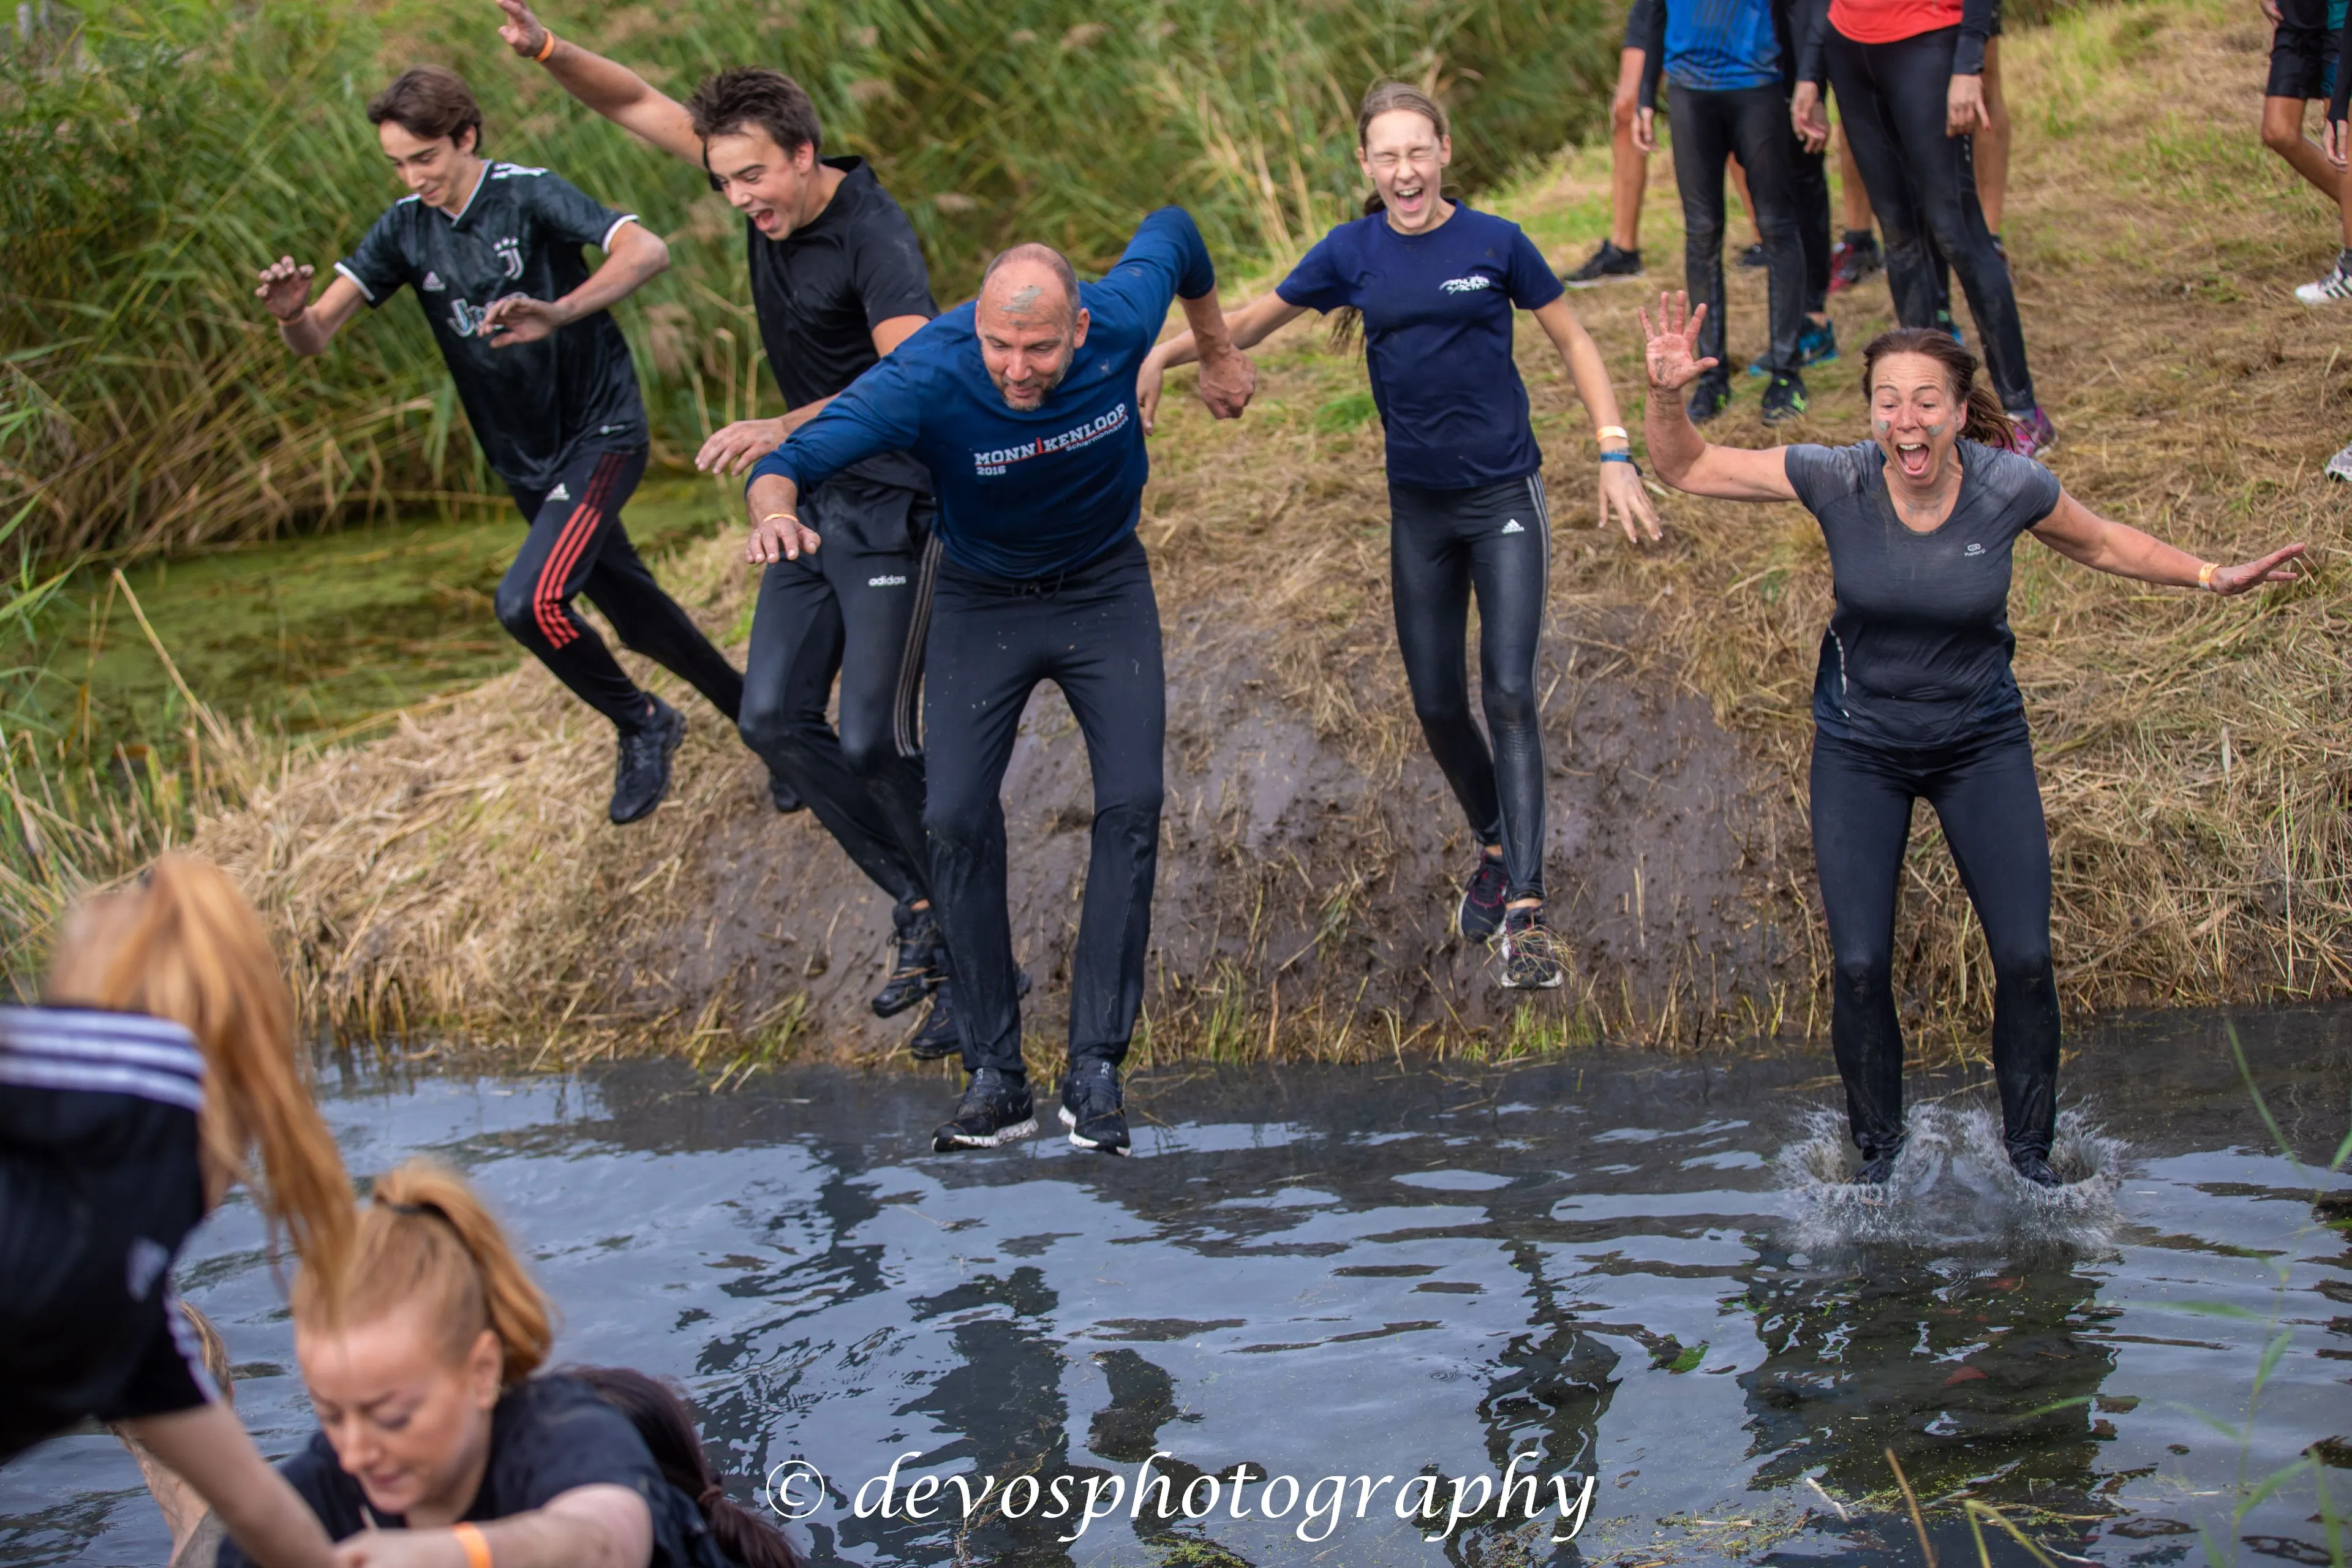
(1436, 284)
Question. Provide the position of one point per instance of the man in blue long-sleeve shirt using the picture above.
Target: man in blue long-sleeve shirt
(1023, 405)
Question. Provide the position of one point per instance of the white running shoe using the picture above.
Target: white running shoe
(2336, 286)
(2339, 467)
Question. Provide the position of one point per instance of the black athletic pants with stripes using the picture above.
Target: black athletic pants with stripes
(1495, 540)
(1753, 124)
(1093, 631)
(1986, 797)
(576, 545)
(859, 608)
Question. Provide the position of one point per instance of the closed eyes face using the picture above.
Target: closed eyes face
(412, 1429)
(1405, 159)
(1914, 416)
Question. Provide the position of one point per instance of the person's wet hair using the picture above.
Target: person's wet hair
(1982, 418)
(659, 1413)
(425, 1240)
(742, 95)
(429, 103)
(181, 942)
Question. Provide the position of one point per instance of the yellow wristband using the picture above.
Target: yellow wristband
(1608, 430)
(477, 1548)
(787, 516)
(2205, 575)
(545, 49)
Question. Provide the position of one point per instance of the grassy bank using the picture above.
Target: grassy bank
(161, 152)
(457, 874)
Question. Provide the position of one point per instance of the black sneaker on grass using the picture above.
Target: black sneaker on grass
(1093, 1109)
(641, 772)
(1784, 399)
(781, 791)
(938, 1036)
(921, 963)
(1481, 914)
(995, 1110)
(1754, 257)
(1710, 395)
(1605, 265)
(1529, 953)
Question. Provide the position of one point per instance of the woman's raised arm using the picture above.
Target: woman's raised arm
(1684, 458)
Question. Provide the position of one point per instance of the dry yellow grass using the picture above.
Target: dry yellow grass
(2196, 757)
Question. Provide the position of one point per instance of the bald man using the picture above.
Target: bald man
(1023, 405)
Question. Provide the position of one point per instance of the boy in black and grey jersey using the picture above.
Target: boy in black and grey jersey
(838, 280)
(493, 251)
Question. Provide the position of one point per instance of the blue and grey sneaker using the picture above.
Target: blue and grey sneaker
(1481, 914)
(1093, 1109)
(994, 1110)
(1816, 343)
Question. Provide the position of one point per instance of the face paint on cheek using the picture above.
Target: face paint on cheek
(1884, 426)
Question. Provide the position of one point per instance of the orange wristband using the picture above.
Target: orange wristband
(477, 1547)
(2205, 574)
(545, 49)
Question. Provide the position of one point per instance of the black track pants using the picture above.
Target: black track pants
(1923, 186)
(1753, 124)
(1810, 183)
(856, 609)
(1443, 544)
(1095, 633)
(1985, 796)
(577, 545)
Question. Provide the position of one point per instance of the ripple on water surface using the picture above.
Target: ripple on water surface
(1639, 1269)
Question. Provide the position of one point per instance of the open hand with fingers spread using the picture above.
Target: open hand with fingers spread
(1673, 356)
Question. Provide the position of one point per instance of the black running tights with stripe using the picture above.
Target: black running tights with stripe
(576, 545)
(1494, 540)
(1986, 797)
(857, 608)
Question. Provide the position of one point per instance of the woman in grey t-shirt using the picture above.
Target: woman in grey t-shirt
(1914, 698)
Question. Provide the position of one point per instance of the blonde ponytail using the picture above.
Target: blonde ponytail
(426, 1239)
(183, 943)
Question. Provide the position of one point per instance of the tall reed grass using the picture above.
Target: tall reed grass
(161, 151)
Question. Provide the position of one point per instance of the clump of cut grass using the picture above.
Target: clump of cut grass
(164, 151)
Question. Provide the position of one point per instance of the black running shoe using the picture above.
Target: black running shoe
(1605, 265)
(781, 791)
(1876, 1169)
(938, 1036)
(1530, 953)
(1481, 914)
(1754, 257)
(994, 1110)
(1854, 258)
(1093, 1109)
(1784, 399)
(1710, 395)
(641, 772)
(921, 965)
(2035, 1168)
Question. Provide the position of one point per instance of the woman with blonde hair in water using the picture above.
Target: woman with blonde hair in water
(1437, 284)
(441, 1443)
(161, 1056)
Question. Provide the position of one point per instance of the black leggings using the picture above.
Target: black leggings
(1093, 631)
(577, 545)
(1985, 796)
(1495, 539)
(1923, 186)
(1753, 123)
(857, 608)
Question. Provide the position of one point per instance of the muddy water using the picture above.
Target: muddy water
(1620, 1267)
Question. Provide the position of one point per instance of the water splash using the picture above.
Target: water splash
(1952, 1184)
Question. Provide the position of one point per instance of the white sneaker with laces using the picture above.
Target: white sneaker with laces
(2336, 286)
(2339, 467)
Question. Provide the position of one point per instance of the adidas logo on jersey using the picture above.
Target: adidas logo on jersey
(559, 493)
(1513, 527)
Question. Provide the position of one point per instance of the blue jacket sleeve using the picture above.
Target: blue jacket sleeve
(1169, 241)
(881, 411)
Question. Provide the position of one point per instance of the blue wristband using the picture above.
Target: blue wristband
(1626, 458)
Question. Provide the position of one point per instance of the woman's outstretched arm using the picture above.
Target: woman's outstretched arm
(1681, 455)
(2078, 533)
(1249, 326)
